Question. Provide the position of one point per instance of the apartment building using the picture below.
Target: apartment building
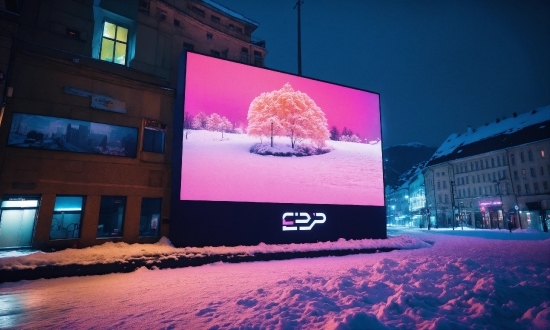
(88, 94)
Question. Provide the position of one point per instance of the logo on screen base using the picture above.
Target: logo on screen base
(301, 218)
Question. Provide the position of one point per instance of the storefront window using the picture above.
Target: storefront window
(67, 215)
(149, 223)
(111, 216)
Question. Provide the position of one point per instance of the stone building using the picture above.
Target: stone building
(496, 173)
(85, 129)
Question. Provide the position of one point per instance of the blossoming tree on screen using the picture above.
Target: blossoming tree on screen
(286, 112)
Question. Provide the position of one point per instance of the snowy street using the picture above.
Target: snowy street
(482, 279)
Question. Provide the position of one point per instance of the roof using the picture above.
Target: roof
(525, 128)
(230, 12)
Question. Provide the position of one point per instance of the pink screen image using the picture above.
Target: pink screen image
(257, 135)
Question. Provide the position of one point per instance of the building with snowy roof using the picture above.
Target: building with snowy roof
(87, 104)
(493, 174)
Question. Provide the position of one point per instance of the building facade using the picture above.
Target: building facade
(85, 131)
(493, 175)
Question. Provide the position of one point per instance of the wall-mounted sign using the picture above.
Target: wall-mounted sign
(98, 101)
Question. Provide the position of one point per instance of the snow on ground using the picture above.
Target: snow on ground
(110, 252)
(475, 279)
(349, 174)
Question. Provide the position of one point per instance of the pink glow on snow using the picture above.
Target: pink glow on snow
(224, 170)
(471, 279)
(227, 88)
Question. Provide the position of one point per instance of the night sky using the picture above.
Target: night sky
(439, 66)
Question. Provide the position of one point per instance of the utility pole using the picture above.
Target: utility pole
(299, 5)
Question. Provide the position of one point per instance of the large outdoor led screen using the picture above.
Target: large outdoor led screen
(253, 139)
(53, 133)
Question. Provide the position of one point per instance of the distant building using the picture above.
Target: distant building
(496, 173)
(88, 94)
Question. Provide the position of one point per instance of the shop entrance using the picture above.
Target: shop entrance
(17, 219)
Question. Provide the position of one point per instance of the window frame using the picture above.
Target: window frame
(115, 42)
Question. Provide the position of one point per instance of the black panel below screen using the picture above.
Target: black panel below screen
(206, 223)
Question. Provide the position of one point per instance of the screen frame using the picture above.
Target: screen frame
(214, 232)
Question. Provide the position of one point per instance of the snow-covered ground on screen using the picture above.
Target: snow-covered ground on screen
(217, 169)
(482, 279)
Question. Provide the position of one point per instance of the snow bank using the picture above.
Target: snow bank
(122, 252)
(460, 282)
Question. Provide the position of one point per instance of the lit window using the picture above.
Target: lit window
(111, 216)
(542, 154)
(153, 140)
(67, 214)
(524, 173)
(149, 223)
(114, 43)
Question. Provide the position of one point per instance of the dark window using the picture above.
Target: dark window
(438, 185)
(188, 46)
(214, 19)
(519, 189)
(536, 187)
(542, 170)
(471, 166)
(486, 163)
(258, 60)
(545, 186)
(114, 43)
(67, 215)
(444, 184)
(176, 22)
(161, 14)
(111, 216)
(478, 181)
(522, 157)
(224, 53)
(527, 189)
(197, 11)
(516, 176)
(492, 162)
(214, 53)
(498, 161)
(533, 173)
(72, 33)
(475, 191)
(144, 5)
(530, 155)
(231, 27)
(524, 173)
(149, 222)
(209, 35)
(244, 55)
(512, 159)
(446, 198)
(477, 165)
(153, 140)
